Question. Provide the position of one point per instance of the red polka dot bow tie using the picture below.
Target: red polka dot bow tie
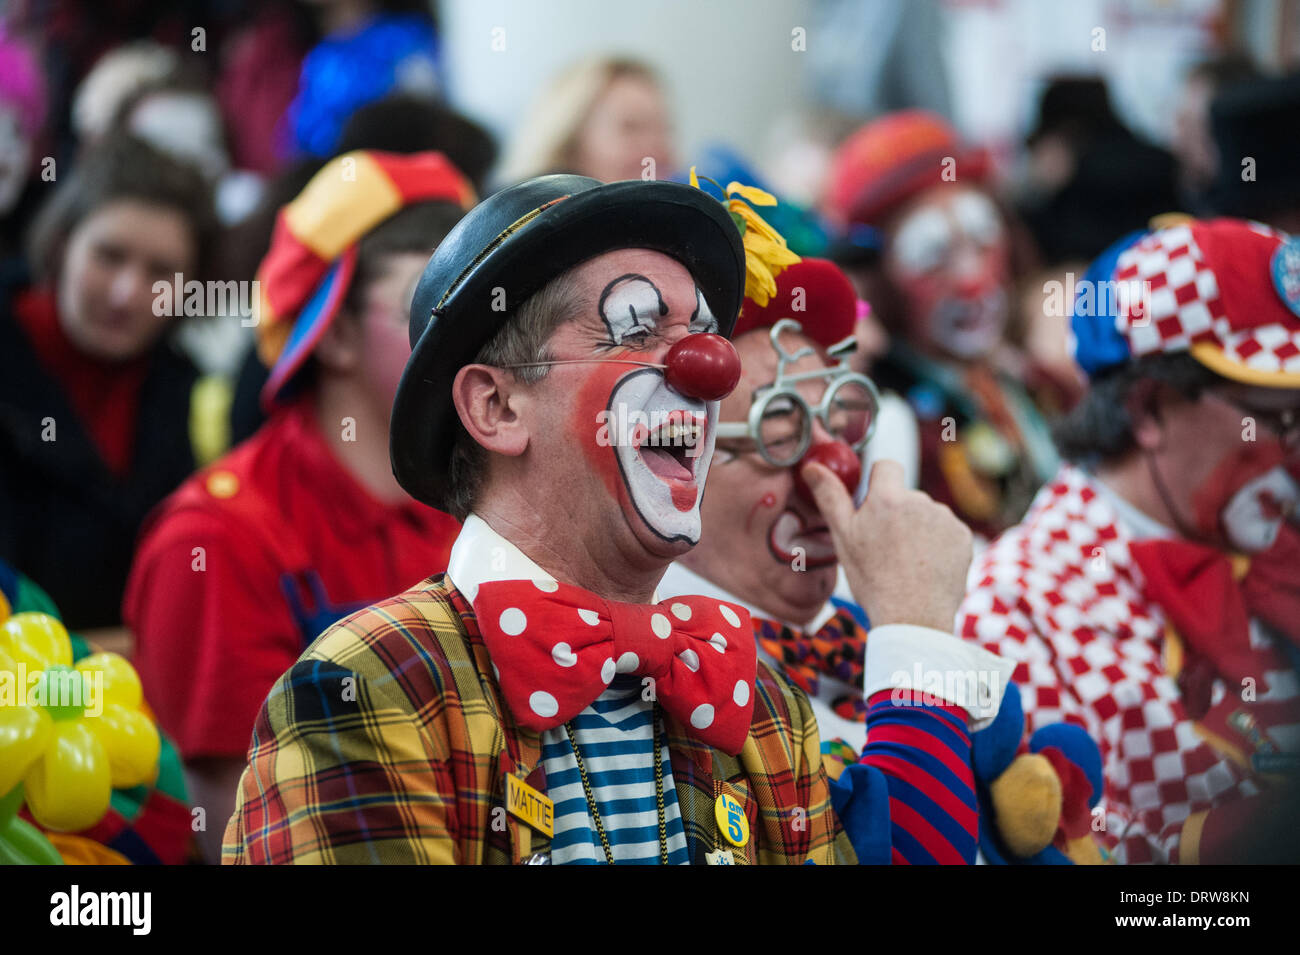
(556, 647)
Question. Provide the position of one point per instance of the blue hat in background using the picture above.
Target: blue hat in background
(1096, 340)
(389, 53)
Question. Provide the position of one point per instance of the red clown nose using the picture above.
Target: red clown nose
(835, 455)
(702, 366)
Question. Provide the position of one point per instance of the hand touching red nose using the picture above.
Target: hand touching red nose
(904, 554)
(838, 458)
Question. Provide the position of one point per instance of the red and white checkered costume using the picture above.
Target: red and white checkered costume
(1061, 596)
(1175, 294)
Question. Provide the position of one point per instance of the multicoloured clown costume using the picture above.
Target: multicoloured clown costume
(500, 713)
(1179, 658)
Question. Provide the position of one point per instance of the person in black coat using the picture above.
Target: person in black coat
(94, 398)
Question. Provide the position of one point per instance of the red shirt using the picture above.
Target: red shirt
(248, 562)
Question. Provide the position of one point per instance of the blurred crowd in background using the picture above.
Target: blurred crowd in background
(146, 142)
(214, 114)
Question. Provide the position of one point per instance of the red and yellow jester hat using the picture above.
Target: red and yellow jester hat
(307, 271)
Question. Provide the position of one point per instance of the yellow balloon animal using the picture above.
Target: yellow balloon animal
(69, 734)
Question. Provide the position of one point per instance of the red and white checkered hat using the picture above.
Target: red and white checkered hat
(1226, 291)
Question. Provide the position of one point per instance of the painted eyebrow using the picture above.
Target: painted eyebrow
(634, 285)
(630, 277)
(695, 315)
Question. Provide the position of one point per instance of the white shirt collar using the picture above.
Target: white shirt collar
(1140, 525)
(480, 555)
(680, 581)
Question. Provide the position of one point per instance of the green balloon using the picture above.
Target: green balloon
(21, 843)
(62, 691)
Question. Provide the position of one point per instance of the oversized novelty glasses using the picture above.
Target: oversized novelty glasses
(781, 420)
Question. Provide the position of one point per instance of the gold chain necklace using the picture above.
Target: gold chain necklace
(659, 791)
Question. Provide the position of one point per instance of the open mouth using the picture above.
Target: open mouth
(972, 315)
(671, 450)
(791, 539)
(969, 315)
(663, 444)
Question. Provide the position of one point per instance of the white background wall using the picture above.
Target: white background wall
(731, 71)
(727, 63)
(1002, 51)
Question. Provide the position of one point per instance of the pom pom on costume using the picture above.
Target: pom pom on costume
(1036, 795)
(814, 292)
(1027, 803)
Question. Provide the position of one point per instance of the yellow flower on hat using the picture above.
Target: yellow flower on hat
(766, 253)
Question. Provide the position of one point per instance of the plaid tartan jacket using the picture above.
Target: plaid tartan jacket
(388, 742)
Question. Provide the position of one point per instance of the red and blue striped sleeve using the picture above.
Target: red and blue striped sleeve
(923, 751)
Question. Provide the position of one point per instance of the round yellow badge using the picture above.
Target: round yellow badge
(731, 820)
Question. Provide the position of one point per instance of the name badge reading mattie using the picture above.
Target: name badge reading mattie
(526, 803)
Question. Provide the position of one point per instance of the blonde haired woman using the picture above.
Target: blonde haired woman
(602, 117)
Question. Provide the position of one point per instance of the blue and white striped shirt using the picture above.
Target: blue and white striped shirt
(614, 735)
(616, 739)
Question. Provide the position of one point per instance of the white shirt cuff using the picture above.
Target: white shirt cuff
(946, 669)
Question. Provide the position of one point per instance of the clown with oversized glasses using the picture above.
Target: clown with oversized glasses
(781, 536)
(781, 420)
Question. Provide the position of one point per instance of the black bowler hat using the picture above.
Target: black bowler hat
(517, 241)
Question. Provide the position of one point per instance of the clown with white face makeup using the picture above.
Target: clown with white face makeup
(663, 436)
(941, 286)
(787, 457)
(573, 432)
(957, 232)
(610, 720)
(663, 473)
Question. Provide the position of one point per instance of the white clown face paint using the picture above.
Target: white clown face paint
(664, 445)
(1253, 517)
(948, 258)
